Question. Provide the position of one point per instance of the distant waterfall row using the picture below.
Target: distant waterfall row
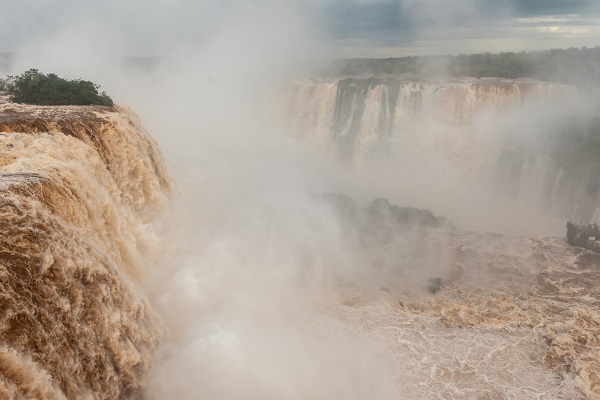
(529, 139)
(363, 114)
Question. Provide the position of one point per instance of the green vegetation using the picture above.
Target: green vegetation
(34, 87)
(576, 66)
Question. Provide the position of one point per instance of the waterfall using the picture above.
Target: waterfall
(507, 134)
(79, 189)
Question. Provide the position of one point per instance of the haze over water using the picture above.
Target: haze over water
(268, 290)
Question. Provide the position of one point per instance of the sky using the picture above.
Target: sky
(348, 28)
(385, 28)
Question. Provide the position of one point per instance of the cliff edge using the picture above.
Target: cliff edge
(79, 188)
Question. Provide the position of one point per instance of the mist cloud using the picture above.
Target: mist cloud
(250, 256)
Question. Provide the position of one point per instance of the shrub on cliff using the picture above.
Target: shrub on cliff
(34, 87)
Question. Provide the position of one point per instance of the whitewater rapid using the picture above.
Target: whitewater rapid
(248, 283)
(80, 187)
(292, 300)
(516, 319)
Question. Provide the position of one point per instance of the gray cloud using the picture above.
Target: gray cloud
(532, 8)
(392, 28)
(353, 27)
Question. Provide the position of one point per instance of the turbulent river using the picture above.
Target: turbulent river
(262, 274)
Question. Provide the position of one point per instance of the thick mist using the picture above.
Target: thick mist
(248, 254)
(252, 269)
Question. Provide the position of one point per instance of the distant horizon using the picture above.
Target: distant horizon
(156, 56)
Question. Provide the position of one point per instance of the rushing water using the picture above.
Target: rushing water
(519, 140)
(296, 297)
(79, 188)
(261, 281)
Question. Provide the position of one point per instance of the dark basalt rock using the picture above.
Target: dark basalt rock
(434, 285)
(584, 235)
(381, 211)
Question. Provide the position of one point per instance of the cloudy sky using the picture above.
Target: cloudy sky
(350, 28)
(382, 28)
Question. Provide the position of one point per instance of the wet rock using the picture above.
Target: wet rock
(381, 211)
(584, 235)
(434, 285)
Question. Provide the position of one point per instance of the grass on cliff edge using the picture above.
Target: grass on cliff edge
(34, 87)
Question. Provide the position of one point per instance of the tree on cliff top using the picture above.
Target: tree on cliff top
(34, 87)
